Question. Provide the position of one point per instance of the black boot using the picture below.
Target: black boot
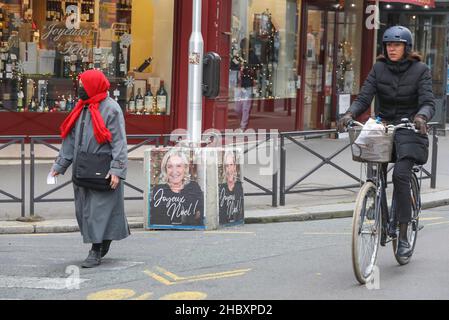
(94, 257)
(404, 248)
(105, 247)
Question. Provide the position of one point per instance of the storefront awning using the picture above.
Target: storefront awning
(430, 3)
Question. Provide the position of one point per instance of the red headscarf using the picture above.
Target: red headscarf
(96, 85)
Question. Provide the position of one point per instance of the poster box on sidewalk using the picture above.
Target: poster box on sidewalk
(193, 188)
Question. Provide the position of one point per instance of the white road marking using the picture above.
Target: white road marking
(35, 282)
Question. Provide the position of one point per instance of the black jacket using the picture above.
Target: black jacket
(402, 89)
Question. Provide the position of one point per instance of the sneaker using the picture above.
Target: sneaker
(92, 260)
(105, 247)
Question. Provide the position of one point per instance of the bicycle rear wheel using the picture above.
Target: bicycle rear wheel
(412, 232)
(366, 229)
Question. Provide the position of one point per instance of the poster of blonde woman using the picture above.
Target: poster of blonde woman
(230, 190)
(176, 198)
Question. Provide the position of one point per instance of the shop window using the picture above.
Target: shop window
(349, 54)
(263, 67)
(46, 44)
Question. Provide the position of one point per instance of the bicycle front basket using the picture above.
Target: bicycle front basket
(375, 148)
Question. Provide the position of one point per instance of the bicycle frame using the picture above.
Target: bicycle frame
(377, 174)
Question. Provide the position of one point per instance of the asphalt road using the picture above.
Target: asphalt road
(280, 261)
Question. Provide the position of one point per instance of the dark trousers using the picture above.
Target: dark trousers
(402, 174)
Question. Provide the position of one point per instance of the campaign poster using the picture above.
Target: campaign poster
(230, 188)
(176, 190)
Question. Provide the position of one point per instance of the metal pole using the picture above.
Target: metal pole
(22, 174)
(283, 169)
(195, 96)
(32, 178)
(433, 176)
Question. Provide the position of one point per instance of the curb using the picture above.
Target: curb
(34, 228)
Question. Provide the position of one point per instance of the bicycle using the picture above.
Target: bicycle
(373, 222)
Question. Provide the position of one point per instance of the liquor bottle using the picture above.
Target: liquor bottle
(122, 65)
(162, 99)
(69, 105)
(149, 100)
(63, 104)
(131, 105)
(42, 104)
(20, 96)
(139, 101)
(66, 67)
(32, 105)
(8, 69)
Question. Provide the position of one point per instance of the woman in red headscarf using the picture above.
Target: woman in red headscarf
(96, 125)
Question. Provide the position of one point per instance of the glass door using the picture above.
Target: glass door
(314, 71)
(319, 69)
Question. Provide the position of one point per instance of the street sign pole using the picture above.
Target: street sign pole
(195, 96)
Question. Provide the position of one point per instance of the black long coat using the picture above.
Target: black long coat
(403, 89)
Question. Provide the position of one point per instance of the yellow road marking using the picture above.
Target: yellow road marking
(436, 223)
(159, 278)
(145, 296)
(430, 218)
(187, 295)
(175, 279)
(229, 232)
(326, 233)
(114, 294)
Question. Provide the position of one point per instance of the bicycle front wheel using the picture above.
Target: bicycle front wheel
(366, 229)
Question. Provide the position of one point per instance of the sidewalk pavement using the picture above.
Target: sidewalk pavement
(272, 215)
(60, 217)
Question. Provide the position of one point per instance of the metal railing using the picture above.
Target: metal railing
(258, 142)
(48, 141)
(285, 189)
(6, 141)
(153, 140)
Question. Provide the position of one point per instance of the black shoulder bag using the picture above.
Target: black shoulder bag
(91, 169)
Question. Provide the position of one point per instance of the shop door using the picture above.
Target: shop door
(318, 68)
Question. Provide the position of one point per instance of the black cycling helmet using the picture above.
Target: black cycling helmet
(398, 34)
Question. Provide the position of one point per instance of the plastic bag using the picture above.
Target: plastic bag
(370, 130)
(372, 143)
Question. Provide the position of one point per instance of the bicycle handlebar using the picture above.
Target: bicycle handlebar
(406, 124)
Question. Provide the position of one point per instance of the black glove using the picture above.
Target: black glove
(344, 121)
(420, 122)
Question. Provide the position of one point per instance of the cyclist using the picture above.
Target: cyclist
(402, 85)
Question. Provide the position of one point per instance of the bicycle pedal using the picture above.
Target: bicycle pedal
(420, 227)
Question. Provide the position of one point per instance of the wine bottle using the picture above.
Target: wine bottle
(149, 100)
(122, 65)
(161, 98)
(144, 65)
(131, 105)
(139, 101)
